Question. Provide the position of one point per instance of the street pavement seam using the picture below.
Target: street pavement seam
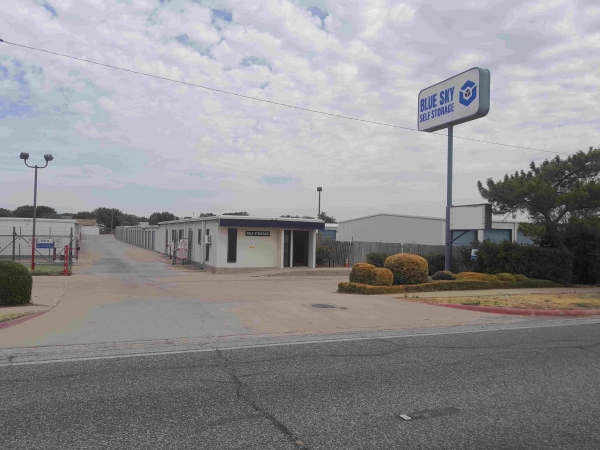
(216, 348)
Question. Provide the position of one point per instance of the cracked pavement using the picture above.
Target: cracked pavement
(528, 387)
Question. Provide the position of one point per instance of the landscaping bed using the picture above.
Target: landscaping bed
(546, 301)
(446, 285)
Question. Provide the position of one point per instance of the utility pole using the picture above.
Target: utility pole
(319, 189)
(25, 156)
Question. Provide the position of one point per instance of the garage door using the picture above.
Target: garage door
(497, 235)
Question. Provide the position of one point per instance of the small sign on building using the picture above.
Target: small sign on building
(44, 243)
(258, 233)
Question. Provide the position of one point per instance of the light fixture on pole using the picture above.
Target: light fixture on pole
(319, 189)
(25, 156)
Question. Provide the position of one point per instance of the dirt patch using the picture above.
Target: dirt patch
(9, 317)
(549, 301)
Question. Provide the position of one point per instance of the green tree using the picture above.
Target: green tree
(327, 219)
(552, 194)
(6, 213)
(108, 217)
(157, 217)
(84, 215)
(41, 212)
(206, 214)
(241, 213)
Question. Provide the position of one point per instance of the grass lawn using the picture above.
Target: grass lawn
(534, 301)
(47, 270)
(13, 316)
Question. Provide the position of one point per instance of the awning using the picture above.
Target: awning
(289, 224)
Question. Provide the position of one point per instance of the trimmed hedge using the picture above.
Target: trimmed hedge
(532, 261)
(15, 283)
(503, 276)
(436, 261)
(376, 258)
(433, 286)
(382, 277)
(519, 277)
(362, 273)
(476, 276)
(444, 275)
(407, 268)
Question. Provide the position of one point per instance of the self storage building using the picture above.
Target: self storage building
(234, 243)
(397, 228)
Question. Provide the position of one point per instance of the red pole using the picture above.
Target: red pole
(66, 265)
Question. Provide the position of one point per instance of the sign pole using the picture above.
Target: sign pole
(448, 259)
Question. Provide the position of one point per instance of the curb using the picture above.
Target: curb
(21, 319)
(521, 311)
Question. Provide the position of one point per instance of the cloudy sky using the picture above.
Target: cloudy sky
(142, 144)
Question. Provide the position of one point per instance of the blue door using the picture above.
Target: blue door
(497, 235)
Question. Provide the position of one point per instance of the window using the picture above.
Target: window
(181, 233)
(231, 245)
(207, 246)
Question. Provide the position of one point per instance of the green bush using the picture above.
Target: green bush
(324, 255)
(376, 258)
(534, 262)
(15, 283)
(362, 273)
(382, 277)
(433, 286)
(436, 261)
(444, 275)
(506, 277)
(407, 268)
(519, 277)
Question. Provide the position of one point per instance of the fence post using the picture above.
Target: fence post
(70, 255)
(14, 242)
(66, 262)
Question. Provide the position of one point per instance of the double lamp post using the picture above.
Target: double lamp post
(25, 157)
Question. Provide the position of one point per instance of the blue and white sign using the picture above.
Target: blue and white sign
(459, 99)
(44, 243)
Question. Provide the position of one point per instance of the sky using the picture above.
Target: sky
(143, 144)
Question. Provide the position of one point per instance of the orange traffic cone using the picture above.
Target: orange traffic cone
(346, 262)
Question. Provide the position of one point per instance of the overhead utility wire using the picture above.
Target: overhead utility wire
(268, 101)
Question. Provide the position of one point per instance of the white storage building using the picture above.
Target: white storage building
(51, 234)
(397, 228)
(233, 243)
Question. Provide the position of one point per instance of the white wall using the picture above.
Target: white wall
(390, 228)
(92, 230)
(264, 254)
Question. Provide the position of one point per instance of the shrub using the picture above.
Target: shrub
(436, 261)
(382, 277)
(376, 258)
(407, 268)
(324, 255)
(15, 283)
(362, 273)
(476, 276)
(519, 277)
(503, 276)
(532, 261)
(458, 285)
(444, 275)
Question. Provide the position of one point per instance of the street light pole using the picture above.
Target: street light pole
(319, 189)
(47, 158)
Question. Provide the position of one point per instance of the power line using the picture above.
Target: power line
(269, 101)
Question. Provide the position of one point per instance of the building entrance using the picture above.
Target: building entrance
(300, 254)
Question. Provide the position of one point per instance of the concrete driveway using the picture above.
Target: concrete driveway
(122, 293)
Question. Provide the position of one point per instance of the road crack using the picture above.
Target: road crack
(239, 385)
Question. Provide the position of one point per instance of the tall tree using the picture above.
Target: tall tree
(551, 194)
(108, 217)
(41, 212)
(84, 215)
(6, 213)
(206, 214)
(157, 217)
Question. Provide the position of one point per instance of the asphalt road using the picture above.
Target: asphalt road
(508, 389)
